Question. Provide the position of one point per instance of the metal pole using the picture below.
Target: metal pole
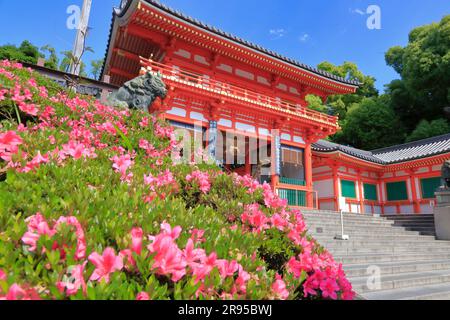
(80, 39)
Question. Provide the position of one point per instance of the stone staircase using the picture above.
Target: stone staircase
(410, 262)
(422, 223)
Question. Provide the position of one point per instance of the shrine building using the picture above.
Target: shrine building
(221, 86)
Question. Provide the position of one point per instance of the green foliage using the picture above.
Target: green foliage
(52, 60)
(96, 67)
(424, 65)
(316, 103)
(26, 52)
(426, 129)
(108, 209)
(340, 104)
(372, 124)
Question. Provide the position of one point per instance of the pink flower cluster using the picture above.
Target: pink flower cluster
(160, 186)
(170, 260)
(38, 227)
(9, 144)
(325, 276)
(201, 179)
(121, 164)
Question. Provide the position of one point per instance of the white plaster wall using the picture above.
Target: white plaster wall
(368, 209)
(286, 136)
(324, 188)
(437, 168)
(355, 208)
(327, 206)
(298, 139)
(390, 210)
(201, 59)
(388, 175)
(225, 122)
(427, 209)
(321, 169)
(377, 209)
(245, 127)
(177, 112)
(245, 74)
(402, 173)
(406, 209)
(197, 116)
(423, 170)
(225, 67)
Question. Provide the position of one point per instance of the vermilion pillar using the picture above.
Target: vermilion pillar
(336, 187)
(309, 175)
(415, 199)
(361, 193)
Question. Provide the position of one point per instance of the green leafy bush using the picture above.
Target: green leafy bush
(93, 207)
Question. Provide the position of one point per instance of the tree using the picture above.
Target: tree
(424, 66)
(371, 124)
(96, 67)
(426, 129)
(52, 61)
(315, 103)
(340, 104)
(66, 62)
(26, 52)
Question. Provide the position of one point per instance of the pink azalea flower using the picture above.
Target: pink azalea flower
(105, 264)
(227, 269)
(16, 292)
(74, 281)
(193, 256)
(143, 296)
(136, 238)
(278, 222)
(200, 178)
(37, 227)
(30, 109)
(2, 275)
(329, 288)
(9, 143)
(279, 288)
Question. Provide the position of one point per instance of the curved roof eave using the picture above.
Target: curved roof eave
(120, 12)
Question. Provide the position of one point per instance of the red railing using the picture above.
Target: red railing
(175, 74)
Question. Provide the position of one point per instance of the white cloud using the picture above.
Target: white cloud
(304, 37)
(277, 33)
(357, 11)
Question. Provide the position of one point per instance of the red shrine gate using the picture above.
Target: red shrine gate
(226, 85)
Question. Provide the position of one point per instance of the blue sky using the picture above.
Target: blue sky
(310, 31)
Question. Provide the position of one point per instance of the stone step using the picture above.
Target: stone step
(429, 292)
(385, 244)
(362, 224)
(386, 268)
(326, 233)
(343, 251)
(367, 229)
(409, 216)
(375, 258)
(402, 280)
(347, 217)
(368, 238)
